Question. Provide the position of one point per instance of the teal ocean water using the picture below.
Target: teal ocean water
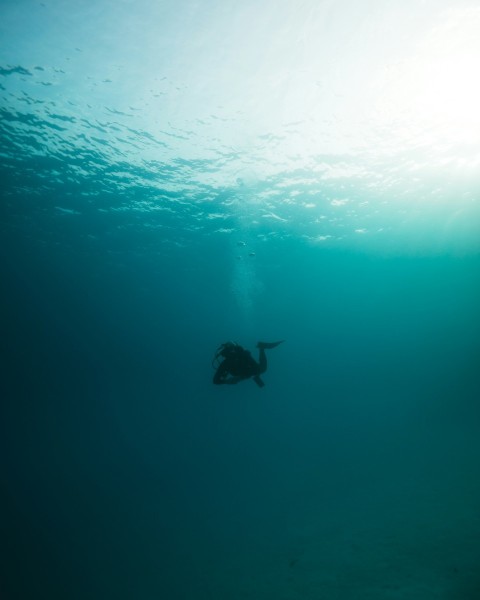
(174, 175)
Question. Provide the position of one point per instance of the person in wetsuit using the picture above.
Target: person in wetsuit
(238, 364)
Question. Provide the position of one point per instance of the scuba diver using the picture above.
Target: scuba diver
(238, 363)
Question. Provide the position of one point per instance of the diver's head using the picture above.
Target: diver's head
(228, 349)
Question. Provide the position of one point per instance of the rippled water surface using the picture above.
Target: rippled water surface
(335, 123)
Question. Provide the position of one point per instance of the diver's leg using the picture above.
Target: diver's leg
(262, 360)
(262, 357)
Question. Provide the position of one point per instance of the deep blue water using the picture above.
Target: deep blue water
(136, 237)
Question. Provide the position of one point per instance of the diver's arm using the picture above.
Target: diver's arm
(220, 374)
(233, 380)
(230, 380)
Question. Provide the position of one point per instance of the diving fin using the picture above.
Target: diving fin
(258, 380)
(268, 345)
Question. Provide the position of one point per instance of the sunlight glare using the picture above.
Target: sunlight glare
(436, 90)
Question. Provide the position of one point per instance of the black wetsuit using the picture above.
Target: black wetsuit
(239, 365)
